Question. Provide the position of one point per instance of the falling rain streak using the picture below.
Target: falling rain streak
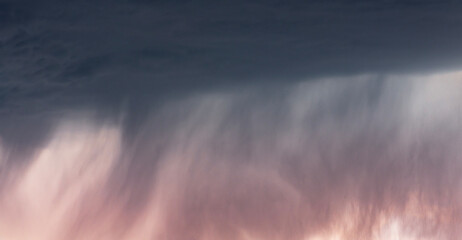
(366, 157)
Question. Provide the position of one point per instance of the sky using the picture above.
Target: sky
(232, 120)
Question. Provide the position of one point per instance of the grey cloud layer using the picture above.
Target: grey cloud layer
(213, 142)
(54, 54)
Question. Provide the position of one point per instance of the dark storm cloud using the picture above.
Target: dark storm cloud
(175, 119)
(13, 13)
(58, 55)
(114, 49)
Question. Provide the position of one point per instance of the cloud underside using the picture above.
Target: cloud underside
(55, 55)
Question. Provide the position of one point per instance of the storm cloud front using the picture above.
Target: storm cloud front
(230, 120)
(363, 157)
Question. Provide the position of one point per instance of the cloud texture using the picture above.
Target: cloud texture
(57, 55)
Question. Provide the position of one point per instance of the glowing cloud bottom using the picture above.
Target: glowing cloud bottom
(357, 158)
